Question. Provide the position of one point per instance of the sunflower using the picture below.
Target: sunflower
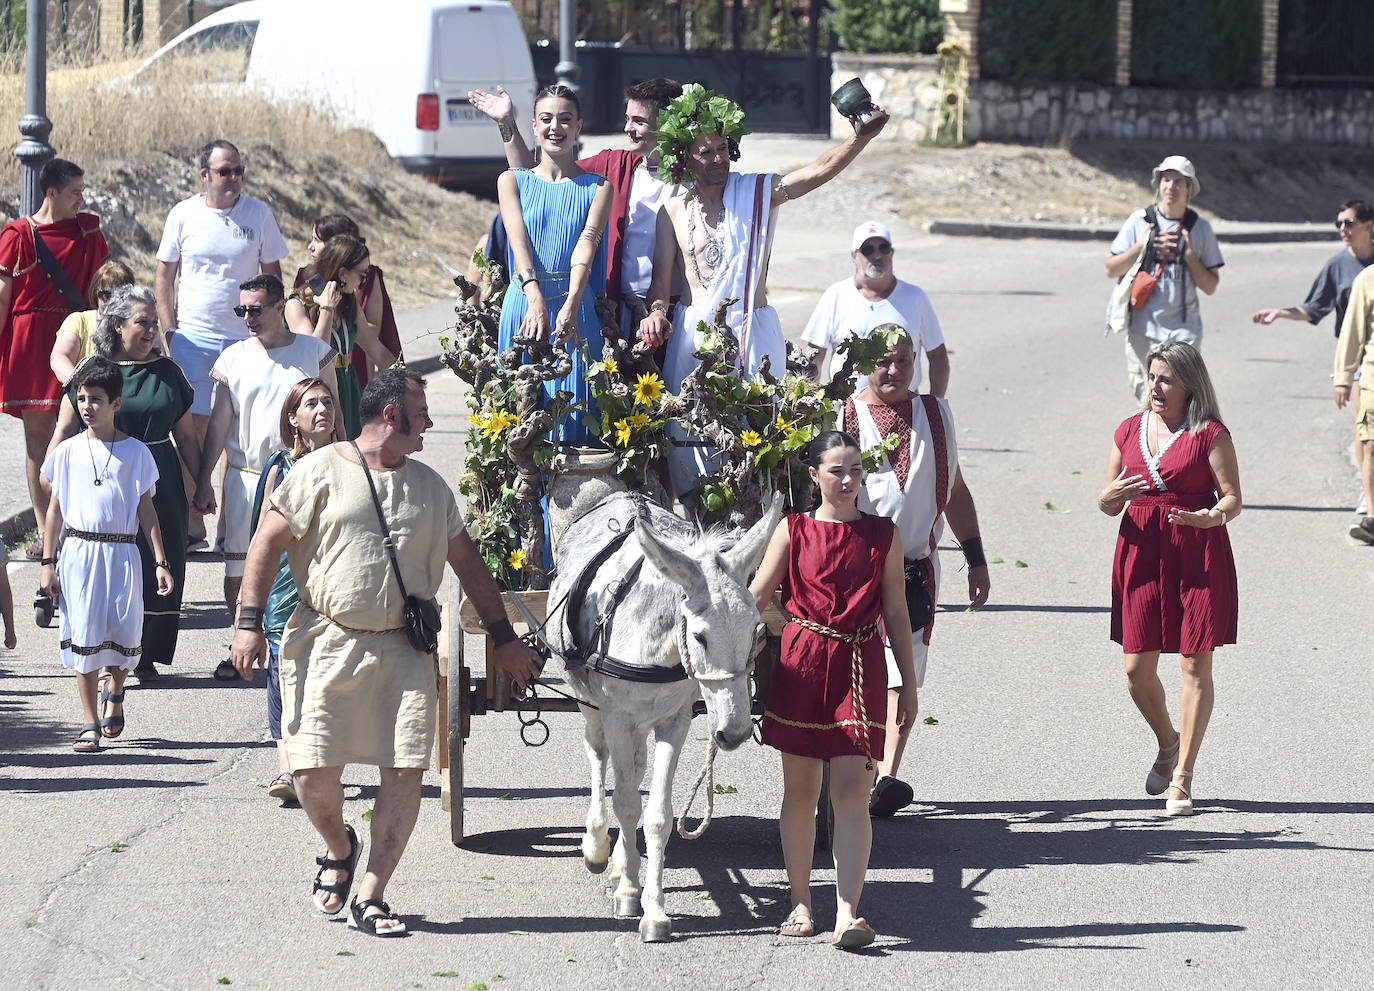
(786, 425)
(611, 365)
(751, 438)
(648, 388)
(639, 420)
(517, 559)
(622, 433)
(498, 423)
(477, 420)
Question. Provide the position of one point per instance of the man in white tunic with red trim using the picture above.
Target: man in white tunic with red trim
(719, 233)
(918, 485)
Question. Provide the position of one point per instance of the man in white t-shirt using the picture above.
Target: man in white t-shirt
(873, 297)
(252, 379)
(211, 243)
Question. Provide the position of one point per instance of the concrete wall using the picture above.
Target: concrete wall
(906, 86)
(1054, 113)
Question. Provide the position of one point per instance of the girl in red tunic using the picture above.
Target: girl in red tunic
(842, 584)
(1173, 470)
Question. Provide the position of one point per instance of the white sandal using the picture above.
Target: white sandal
(1179, 806)
(1157, 781)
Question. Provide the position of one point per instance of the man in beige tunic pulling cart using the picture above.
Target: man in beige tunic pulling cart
(354, 688)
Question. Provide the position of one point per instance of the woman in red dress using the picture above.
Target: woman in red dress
(1173, 470)
(841, 573)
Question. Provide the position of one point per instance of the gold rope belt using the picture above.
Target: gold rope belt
(349, 629)
(856, 639)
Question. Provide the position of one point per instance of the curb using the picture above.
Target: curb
(1229, 233)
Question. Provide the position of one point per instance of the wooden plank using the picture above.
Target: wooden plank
(534, 601)
(457, 720)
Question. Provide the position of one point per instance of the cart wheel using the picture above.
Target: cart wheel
(825, 813)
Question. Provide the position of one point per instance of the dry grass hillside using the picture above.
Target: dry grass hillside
(139, 148)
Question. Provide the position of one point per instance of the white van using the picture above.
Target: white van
(401, 69)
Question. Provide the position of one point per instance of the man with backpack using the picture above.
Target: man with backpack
(1164, 304)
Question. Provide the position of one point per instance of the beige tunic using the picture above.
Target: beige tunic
(353, 689)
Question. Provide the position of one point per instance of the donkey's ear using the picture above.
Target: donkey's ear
(676, 566)
(743, 559)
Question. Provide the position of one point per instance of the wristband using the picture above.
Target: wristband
(47, 561)
(161, 564)
(659, 307)
(250, 618)
(501, 632)
(526, 277)
(973, 552)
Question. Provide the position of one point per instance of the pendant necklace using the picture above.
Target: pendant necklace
(713, 251)
(99, 478)
(226, 214)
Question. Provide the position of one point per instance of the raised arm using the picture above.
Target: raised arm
(774, 566)
(501, 108)
(831, 163)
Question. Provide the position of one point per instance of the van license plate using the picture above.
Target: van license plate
(464, 114)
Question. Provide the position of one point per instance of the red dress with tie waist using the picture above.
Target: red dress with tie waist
(1173, 587)
(834, 579)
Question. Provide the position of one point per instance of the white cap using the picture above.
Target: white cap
(1179, 164)
(869, 229)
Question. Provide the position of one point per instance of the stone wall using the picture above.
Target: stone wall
(906, 86)
(1056, 113)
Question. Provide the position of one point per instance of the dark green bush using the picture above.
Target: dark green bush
(906, 26)
(1196, 44)
(1047, 40)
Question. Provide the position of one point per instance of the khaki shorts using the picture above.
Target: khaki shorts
(1364, 422)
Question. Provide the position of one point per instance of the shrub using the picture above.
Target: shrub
(1202, 44)
(907, 26)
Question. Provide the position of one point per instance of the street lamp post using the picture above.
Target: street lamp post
(33, 150)
(567, 70)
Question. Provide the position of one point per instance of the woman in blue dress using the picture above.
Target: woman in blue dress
(555, 215)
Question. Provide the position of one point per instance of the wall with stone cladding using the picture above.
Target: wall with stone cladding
(906, 86)
(1055, 113)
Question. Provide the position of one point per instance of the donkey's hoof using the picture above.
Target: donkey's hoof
(627, 907)
(655, 930)
(594, 866)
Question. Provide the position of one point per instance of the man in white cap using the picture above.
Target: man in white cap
(1168, 232)
(874, 296)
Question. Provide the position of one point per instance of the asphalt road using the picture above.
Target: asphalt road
(1032, 857)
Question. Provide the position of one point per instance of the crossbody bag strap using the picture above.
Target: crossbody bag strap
(381, 519)
(61, 281)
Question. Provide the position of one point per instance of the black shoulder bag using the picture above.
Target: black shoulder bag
(422, 615)
(57, 275)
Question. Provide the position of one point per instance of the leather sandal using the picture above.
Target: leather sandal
(360, 920)
(798, 923)
(84, 746)
(341, 888)
(854, 936)
(110, 726)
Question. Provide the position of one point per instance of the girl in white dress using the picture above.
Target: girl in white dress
(102, 486)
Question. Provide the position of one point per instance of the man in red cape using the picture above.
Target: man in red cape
(33, 306)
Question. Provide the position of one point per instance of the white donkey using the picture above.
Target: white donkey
(662, 615)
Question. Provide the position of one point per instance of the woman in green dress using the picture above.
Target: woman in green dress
(334, 315)
(155, 409)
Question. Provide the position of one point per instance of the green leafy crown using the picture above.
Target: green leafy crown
(696, 112)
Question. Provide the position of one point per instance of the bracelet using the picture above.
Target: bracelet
(659, 307)
(526, 277)
(323, 307)
(47, 561)
(501, 632)
(250, 618)
(973, 552)
(161, 564)
(1223, 514)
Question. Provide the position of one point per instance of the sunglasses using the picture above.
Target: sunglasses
(876, 250)
(252, 310)
(1343, 224)
(225, 171)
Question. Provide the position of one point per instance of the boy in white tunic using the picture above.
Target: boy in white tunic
(102, 489)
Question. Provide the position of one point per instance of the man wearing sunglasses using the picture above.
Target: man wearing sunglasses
(252, 379)
(872, 297)
(211, 243)
(1355, 355)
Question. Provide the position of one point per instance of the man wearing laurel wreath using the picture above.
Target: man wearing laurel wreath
(719, 233)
